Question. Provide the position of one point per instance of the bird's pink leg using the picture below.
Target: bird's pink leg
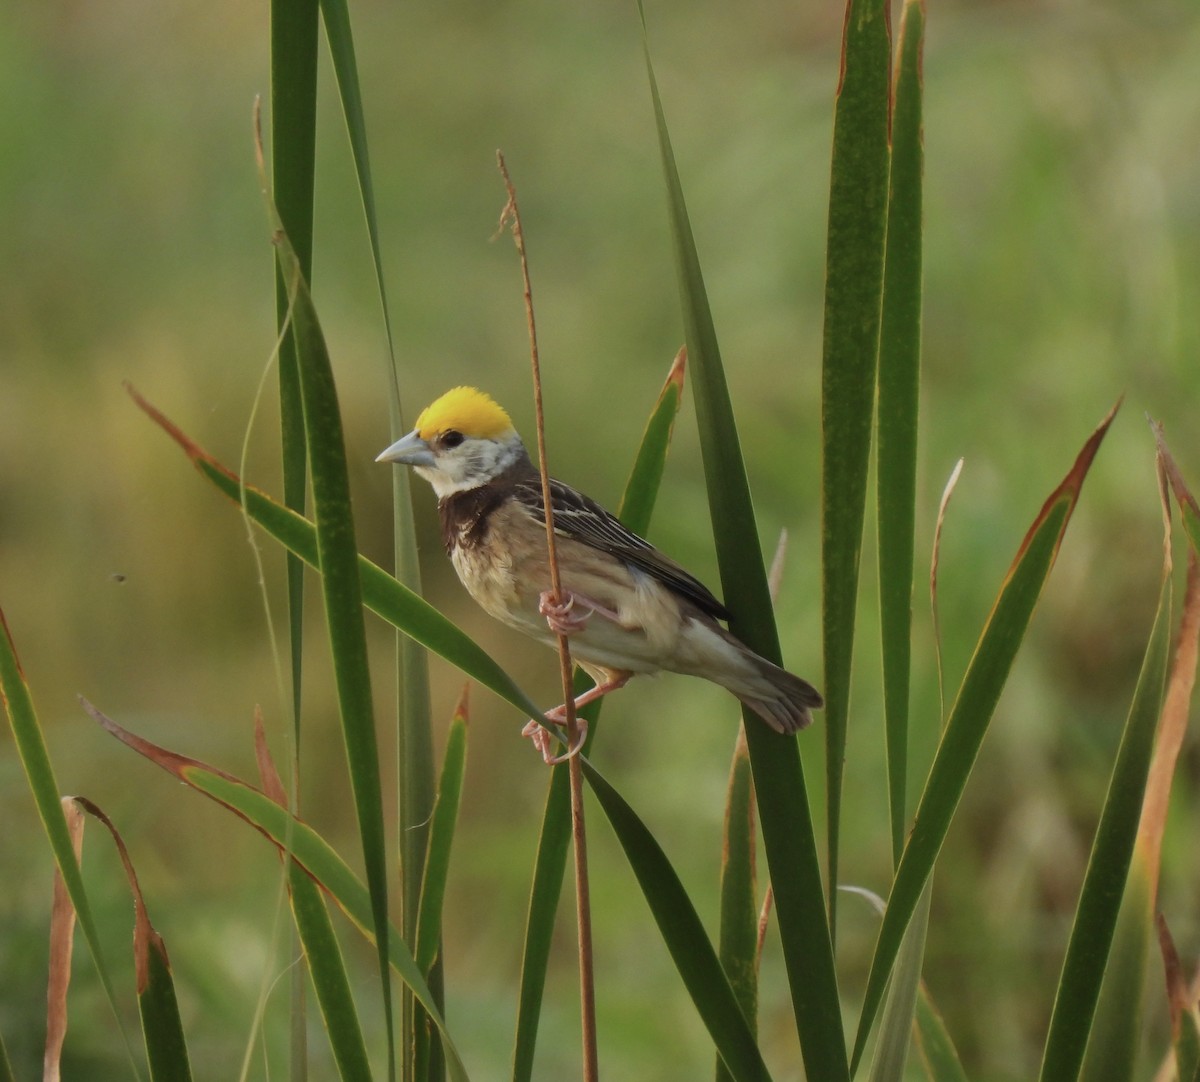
(544, 742)
(562, 615)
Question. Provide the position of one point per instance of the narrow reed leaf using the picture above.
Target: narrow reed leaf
(899, 387)
(330, 981)
(1183, 1005)
(322, 952)
(641, 489)
(936, 1049)
(296, 838)
(788, 831)
(415, 766)
(1105, 880)
(336, 14)
(62, 942)
(738, 941)
(294, 32)
(896, 1022)
(968, 722)
(934, 565)
(684, 935)
(35, 761)
(166, 1046)
(549, 868)
(854, 257)
(1116, 1031)
(635, 510)
(441, 837)
(1183, 496)
(342, 592)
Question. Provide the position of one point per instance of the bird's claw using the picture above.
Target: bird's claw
(544, 741)
(559, 614)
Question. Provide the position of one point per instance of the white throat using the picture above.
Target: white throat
(472, 464)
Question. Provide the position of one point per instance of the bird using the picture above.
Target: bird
(627, 607)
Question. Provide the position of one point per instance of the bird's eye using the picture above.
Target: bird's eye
(451, 438)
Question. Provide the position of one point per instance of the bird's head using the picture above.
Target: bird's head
(461, 441)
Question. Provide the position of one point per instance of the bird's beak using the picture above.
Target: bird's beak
(409, 451)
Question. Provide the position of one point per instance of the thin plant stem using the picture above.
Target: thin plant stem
(510, 215)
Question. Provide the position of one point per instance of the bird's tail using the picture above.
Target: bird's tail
(780, 698)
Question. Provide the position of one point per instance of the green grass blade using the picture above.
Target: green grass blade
(896, 1022)
(161, 1024)
(1108, 865)
(39, 772)
(934, 1044)
(345, 67)
(433, 888)
(899, 387)
(342, 592)
(328, 971)
(549, 868)
(738, 941)
(1116, 1028)
(683, 934)
(788, 831)
(294, 33)
(969, 718)
(441, 837)
(6, 1071)
(858, 199)
(296, 838)
(415, 737)
(162, 1027)
(636, 508)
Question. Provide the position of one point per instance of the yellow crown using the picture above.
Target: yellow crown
(465, 410)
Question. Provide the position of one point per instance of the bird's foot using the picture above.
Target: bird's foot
(544, 741)
(572, 613)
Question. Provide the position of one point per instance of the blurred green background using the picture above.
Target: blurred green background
(1062, 269)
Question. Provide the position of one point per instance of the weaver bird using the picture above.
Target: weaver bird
(627, 607)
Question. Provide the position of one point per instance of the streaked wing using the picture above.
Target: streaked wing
(578, 517)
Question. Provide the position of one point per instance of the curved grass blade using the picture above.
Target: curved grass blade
(6, 1071)
(318, 940)
(968, 722)
(1105, 881)
(35, 761)
(329, 978)
(414, 737)
(1116, 1030)
(899, 387)
(441, 837)
(381, 593)
(305, 846)
(166, 1046)
(337, 554)
(896, 1022)
(738, 942)
(683, 935)
(294, 32)
(854, 256)
(933, 1043)
(437, 869)
(1188, 507)
(1184, 1007)
(788, 833)
(636, 507)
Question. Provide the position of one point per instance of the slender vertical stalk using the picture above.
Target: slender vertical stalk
(587, 989)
